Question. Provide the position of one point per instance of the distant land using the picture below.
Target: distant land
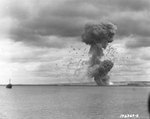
(121, 83)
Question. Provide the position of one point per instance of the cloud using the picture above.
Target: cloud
(132, 23)
(138, 42)
(132, 5)
(141, 53)
(134, 28)
(35, 21)
(35, 27)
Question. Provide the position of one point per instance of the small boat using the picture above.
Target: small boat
(9, 85)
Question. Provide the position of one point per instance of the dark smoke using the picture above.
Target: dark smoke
(149, 105)
(98, 36)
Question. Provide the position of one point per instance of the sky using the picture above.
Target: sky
(40, 40)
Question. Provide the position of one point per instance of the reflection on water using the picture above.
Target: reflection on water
(72, 102)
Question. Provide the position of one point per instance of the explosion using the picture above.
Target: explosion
(98, 36)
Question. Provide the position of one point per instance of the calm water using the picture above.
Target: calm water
(72, 102)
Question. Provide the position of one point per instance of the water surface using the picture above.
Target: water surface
(72, 102)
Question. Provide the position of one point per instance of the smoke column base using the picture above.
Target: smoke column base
(102, 81)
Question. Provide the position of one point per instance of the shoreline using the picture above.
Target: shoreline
(92, 84)
(82, 85)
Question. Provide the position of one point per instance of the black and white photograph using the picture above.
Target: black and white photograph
(74, 59)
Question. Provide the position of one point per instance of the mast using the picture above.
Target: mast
(9, 81)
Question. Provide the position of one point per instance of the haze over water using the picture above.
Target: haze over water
(72, 102)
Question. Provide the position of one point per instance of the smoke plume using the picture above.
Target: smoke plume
(98, 36)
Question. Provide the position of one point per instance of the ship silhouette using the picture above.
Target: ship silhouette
(9, 85)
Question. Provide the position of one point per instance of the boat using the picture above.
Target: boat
(9, 85)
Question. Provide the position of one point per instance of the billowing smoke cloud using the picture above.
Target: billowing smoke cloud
(98, 36)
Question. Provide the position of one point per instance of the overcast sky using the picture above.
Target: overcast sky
(40, 40)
